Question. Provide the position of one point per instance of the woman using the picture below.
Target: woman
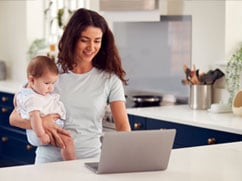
(92, 77)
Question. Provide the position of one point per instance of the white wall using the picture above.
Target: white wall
(20, 25)
(208, 32)
(35, 20)
(216, 34)
(209, 40)
(12, 34)
(216, 27)
(233, 24)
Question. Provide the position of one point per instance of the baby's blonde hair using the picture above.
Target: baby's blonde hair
(39, 65)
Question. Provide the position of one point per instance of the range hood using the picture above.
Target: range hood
(130, 10)
(128, 5)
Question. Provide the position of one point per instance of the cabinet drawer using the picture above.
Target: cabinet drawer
(6, 99)
(15, 148)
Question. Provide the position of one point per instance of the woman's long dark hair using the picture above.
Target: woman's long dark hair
(107, 58)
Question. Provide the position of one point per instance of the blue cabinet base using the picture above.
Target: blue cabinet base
(186, 135)
(14, 148)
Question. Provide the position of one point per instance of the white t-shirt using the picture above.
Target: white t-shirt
(28, 100)
(85, 97)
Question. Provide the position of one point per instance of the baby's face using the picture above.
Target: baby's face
(44, 84)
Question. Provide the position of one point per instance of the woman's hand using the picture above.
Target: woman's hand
(53, 130)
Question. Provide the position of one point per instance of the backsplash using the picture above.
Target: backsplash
(153, 53)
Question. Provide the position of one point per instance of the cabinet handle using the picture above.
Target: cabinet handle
(29, 147)
(4, 139)
(137, 125)
(211, 141)
(4, 99)
(4, 110)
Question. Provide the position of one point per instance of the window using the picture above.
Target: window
(56, 15)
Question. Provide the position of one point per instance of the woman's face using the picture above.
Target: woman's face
(89, 44)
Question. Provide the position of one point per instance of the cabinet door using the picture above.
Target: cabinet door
(196, 136)
(6, 107)
(158, 124)
(6, 99)
(137, 122)
(187, 136)
(5, 111)
(14, 149)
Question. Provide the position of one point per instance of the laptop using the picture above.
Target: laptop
(135, 151)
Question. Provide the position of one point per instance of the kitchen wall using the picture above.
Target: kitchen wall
(153, 53)
(233, 27)
(216, 27)
(21, 22)
(216, 33)
(214, 39)
(208, 32)
(216, 30)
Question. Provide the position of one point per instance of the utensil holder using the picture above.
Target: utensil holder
(200, 96)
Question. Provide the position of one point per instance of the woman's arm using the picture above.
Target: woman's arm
(120, 116)
(48, 123)
(16, 120)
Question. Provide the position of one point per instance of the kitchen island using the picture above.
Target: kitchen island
(220, 162)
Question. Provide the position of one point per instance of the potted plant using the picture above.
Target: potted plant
(36, 46)
(233, 73)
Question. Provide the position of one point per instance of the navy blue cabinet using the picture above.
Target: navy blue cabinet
(186, 135)
(6, 107)
(14, 148)
(137, 123)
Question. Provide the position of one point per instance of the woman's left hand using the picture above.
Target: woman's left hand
(53, 130)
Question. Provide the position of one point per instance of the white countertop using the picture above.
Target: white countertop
(221, 162)
(179, 114)
(10, 86)
(183, 114)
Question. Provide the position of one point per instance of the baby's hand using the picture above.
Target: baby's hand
(45, 139)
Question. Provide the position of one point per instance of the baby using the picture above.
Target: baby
(37, 99)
